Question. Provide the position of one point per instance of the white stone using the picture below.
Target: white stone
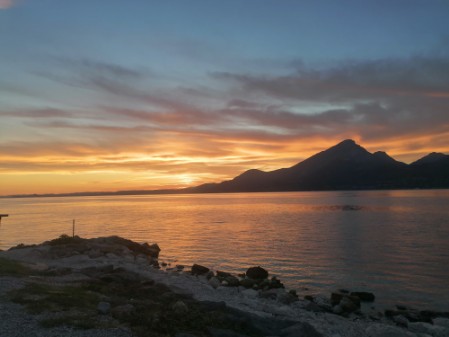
(214, 282)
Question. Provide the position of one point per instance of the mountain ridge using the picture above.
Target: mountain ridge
(344, 166)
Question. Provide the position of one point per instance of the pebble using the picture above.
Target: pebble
(104, 308)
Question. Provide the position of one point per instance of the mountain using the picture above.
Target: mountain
(345, 166)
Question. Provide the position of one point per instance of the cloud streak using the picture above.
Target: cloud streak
(255, 121)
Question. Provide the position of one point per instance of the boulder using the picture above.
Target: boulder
(199, 269)
(256, 273)
(336, 298)
(364, 296)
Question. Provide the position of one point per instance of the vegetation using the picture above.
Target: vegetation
(13, 268)
(147, 308)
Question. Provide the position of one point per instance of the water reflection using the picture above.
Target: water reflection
(394, 243)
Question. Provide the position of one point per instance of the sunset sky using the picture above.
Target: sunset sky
(140, 94)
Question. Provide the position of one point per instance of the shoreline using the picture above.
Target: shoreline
(338, 315)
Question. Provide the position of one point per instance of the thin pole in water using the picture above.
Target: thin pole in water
(73, 228)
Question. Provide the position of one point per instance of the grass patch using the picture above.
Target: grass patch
(13, 268)
(64, 239)
(149, 307)
(38, 298)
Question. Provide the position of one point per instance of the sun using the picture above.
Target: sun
(186, 179)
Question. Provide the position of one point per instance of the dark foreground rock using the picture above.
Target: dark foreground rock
(199, 269)
(257, 273)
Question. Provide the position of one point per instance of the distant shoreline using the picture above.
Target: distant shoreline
(189, 191)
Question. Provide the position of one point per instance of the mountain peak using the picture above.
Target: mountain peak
(348, 141)
(346, 146)
(431, 158)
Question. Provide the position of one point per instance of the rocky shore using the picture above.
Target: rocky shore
(116, 287)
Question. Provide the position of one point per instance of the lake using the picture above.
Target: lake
(393, 243)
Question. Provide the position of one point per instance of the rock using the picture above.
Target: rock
(164, 264)
(199, 269)
(179, 267)
(286, 298)
(210, 274)
(214, 282)
(250, 293)
(400, 320)
(302, 329)
(440, 321)
(180, 308)
(345, 303)
(223, 275)
(271, 294)
(336, 298)
(364, 296)
(152, 250)
(247, 282)
(257, 273)
(337, 309)
(350, 303)
(275, 283)
(232, 281)
(384, 330)
(312, 306)
(427, 328)
(103, 308)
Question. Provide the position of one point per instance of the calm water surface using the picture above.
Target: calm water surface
(394, 243)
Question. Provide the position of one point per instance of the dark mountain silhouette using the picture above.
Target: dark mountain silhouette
(345, 166)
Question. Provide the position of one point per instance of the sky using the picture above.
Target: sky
(100, 95)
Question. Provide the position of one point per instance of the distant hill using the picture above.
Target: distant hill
(345, 166)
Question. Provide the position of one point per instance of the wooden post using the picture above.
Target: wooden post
(73, 228)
